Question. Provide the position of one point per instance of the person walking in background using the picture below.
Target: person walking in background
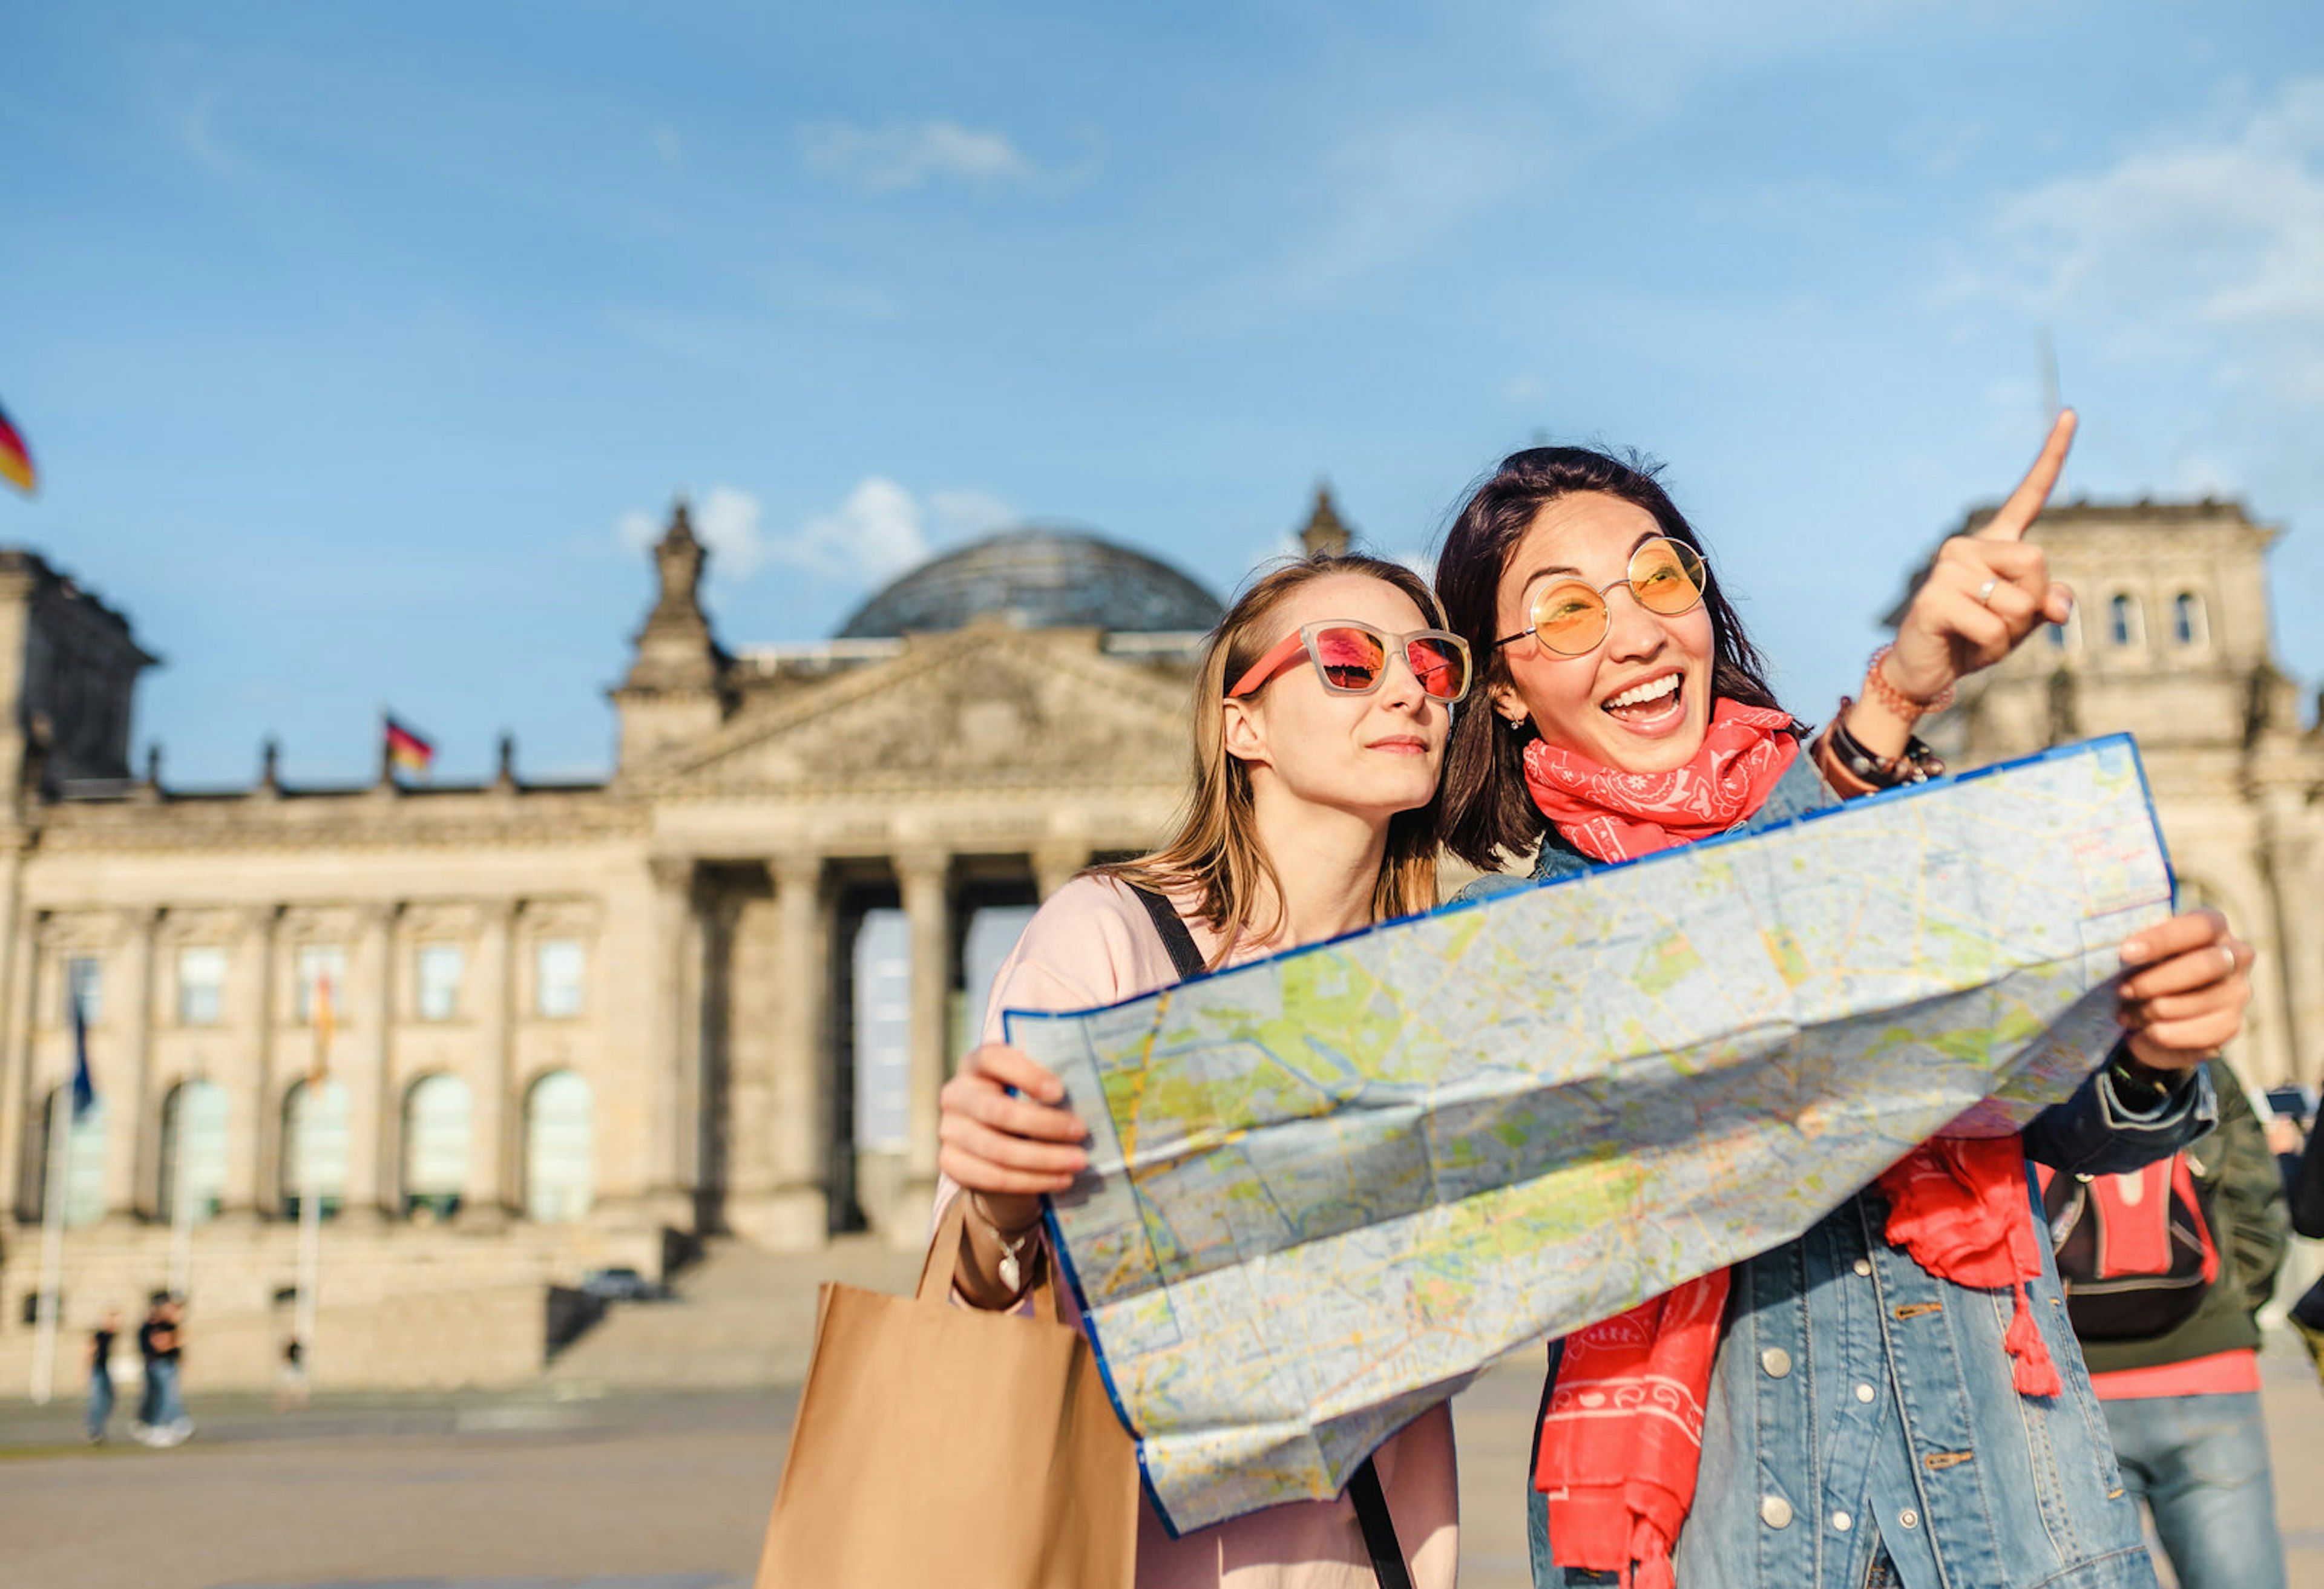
(2165, 1268)
(100, 1375)
(162, 1417)
(291, 1383)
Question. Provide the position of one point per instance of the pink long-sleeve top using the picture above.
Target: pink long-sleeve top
(1093, 944)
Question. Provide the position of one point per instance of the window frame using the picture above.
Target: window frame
(435, 951)
(542, 949)
(185, 986)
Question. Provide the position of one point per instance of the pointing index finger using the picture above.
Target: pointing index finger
(2024, 503)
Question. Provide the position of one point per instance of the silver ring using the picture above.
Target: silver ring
(1985, 593)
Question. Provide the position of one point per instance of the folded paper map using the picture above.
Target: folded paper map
(1326, 1186)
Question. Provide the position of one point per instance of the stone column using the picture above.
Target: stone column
(16, 1048)
(359, 1060)
(131, 1179)
(925, 881)
(668, 1050)
(798, 1125)
(1054, 865)
(254, 1121)
(497, 1113)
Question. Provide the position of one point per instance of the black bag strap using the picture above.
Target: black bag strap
(1379, 1527)
(1183, 955)
(1372, 1514)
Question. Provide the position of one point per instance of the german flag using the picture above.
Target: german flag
(408, 750)
(17, 458)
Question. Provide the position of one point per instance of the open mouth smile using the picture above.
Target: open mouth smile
(1654, 704)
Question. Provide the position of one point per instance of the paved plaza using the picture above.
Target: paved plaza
(620, 1492)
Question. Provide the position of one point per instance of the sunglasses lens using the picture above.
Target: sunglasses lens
(1666, 577)
(1570, 619)
(1350, 658)
(1442, 670)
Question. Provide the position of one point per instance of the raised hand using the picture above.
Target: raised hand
(1986, 593)
(2183, 1001)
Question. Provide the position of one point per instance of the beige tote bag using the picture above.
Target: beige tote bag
(942, 1447)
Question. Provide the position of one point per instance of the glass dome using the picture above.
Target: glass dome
(1037, 578)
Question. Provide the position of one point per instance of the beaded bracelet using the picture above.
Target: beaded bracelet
(1876, 685)
(1916, 764)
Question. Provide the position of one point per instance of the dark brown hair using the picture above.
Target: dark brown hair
(1216, 850)
(1489, 818)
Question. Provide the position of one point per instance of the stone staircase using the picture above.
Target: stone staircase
(741, 1317)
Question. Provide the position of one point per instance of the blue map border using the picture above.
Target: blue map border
(1908, 791)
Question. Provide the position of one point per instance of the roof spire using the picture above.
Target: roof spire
(678, 560)
(1325, 534)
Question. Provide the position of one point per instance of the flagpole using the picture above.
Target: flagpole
(52, 1244)
(310, 1236)
(311, 1201)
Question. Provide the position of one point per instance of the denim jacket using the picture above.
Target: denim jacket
(1861, 1427)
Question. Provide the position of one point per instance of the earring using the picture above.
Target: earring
(1516, 724)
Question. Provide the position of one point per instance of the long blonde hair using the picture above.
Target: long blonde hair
(1217, 851)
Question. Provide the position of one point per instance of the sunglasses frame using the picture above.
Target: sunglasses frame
(1391, 645)
(1687, 554)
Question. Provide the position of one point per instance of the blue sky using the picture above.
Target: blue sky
(357, 345)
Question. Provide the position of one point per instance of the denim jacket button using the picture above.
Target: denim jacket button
(1777, 1361)
(1775, 1512)
(1863, 1266)
(1842, 1521)
(1863, 1392)
(1909, 1518)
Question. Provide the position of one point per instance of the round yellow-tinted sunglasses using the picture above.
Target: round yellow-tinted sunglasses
(1570, 618)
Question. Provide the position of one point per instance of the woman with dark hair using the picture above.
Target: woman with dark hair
(1896, 1397)
(1320, 716)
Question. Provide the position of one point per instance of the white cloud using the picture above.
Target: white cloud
(877, 532)
(2198, 260)
(908, 154)
(727, 522)
(638, 530)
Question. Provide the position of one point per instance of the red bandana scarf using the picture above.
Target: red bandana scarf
(1621, 1440)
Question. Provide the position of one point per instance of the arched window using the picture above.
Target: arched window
(435, 1146)
(193, 1150)
(2187, 619)
(315, 1131)
(559, 1150)
(82, 1142)
(2124, 624)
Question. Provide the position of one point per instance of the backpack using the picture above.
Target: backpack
(2136, 1252)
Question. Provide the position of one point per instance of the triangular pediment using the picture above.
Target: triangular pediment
(990, 705)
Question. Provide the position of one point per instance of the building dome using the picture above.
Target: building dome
(1038, 579)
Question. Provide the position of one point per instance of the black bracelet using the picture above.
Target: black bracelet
(2141, 1087)
(1917, 764)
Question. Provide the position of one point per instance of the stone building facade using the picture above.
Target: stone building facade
(2170, 641)
(571, 1027)
(583, 1025)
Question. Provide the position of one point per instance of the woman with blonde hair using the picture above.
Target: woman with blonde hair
(1320, 715)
